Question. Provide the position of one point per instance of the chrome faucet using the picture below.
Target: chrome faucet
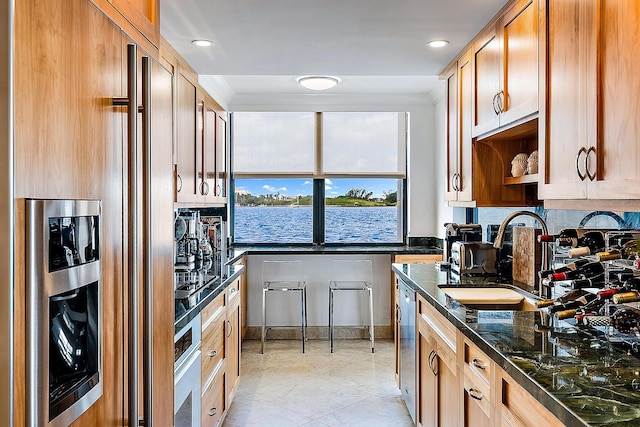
(545, 247)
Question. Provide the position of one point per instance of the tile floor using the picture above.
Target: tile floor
(284, 387)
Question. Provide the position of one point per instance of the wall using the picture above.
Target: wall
(350, 308)
(444, 213)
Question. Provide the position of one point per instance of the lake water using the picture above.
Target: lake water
(268, 224)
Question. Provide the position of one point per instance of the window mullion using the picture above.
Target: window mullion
(318, 212)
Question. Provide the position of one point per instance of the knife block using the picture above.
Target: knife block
(527, 253)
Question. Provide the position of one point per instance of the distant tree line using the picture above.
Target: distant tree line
(353, 197)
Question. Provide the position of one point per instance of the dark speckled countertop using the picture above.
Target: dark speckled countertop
(576, 373)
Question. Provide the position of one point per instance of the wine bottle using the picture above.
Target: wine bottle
(629, 250)
(565, 233)
(623, 297)
(591, 269)
(591, 282)
(576, 298)
(589, 243)
(567, 267)
(625, 320)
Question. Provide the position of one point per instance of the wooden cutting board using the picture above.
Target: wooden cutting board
(526, 255)
(475, 296)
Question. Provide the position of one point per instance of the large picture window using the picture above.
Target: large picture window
(318, 177)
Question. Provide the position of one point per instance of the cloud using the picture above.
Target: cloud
(328, 181)
(306, 183)
(334, 192)
(273, 189)
(328, 187)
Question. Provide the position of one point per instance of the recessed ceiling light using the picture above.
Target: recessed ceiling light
(438, 43)
(202, 42)
(318, 82)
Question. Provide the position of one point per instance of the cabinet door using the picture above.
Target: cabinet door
(221, 158)
(448, 388)
(427, 392)
(465, 142)
(209, 153)
(519, 35)
(486, 66)
(614, 162)
(186, 117)
(233, 339)
(143, 14)
(569, 111)
(453, 167)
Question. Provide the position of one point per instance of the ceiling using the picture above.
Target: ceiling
(375, 47)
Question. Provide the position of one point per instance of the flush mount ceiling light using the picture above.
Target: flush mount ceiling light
(318, 82)
(202, 42)
(438, 43)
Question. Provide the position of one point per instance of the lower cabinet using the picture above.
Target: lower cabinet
(459, 385)
(220, 369)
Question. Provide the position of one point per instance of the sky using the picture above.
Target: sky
(304, 187)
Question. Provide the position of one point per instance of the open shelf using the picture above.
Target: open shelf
(524, 179)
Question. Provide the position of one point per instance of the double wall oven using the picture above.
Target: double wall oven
(64, 309)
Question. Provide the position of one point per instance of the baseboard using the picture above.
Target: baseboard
(319, 332)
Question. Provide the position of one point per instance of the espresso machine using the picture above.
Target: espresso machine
(195, 257)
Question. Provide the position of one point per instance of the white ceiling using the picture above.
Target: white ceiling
(376, 47)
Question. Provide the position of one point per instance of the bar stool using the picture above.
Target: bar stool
(283, 276)
(351, 275)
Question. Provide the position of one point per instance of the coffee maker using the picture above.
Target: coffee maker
(460, 233)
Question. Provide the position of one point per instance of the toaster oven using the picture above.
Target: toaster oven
(473, 258)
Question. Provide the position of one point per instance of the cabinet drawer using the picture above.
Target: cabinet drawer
(212, 348)
(444, 330)
(212, 309)
(477, 392)
(476, 363)
(213, 401)
(233, 295)
(518, 407)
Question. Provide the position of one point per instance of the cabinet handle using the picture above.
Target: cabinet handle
(212, 353)
(230, 327)
(477, 363)
(213, 411)
(580, 175)
(179, 178)
(476, 394)
(204, 188)
(218, 190)
(500, 101)
(495, 107)
(591, 177)
(430, 360)
(458, 188)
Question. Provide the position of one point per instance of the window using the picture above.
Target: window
(318, 177)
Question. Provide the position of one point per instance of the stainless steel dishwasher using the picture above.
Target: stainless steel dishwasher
(408, 347)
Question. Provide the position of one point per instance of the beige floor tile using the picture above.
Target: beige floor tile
(350, 387)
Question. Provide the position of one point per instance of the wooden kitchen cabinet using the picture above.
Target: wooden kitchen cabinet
(234, 341)
(505, 69)
(140, 19)
(186, 106)
(438, 376)
(588, 140)
(214, 348)
(517, 407)
(459, 141)
(221, 156)
(478, 386)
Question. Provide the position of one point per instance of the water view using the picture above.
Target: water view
(281, 224)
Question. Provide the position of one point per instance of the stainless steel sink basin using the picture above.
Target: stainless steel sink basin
(491, 297)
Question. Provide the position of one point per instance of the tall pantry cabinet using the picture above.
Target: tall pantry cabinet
(70, 143)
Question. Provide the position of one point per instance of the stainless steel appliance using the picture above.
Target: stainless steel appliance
(64, 309)
(408, 347)
(473, 258)
(460, 233)
(200, 251)
(187, 387)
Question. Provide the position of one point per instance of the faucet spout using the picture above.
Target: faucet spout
(545, 247)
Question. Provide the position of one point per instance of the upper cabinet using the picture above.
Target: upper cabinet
(505, 69)
(140, 19)
(459, 143)
(588, 140)
(200, 148)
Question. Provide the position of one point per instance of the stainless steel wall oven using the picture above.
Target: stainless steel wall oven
(64, 309)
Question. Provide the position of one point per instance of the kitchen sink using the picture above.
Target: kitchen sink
(491, 297)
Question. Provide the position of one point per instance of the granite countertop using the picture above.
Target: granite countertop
(575, 372)
(188, 308)
(237, 251)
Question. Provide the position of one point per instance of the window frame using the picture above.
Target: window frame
(319, 192)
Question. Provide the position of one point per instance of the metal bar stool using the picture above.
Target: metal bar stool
(283, 276)
(351, 275)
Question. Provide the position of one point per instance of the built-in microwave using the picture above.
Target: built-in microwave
(64, 309)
